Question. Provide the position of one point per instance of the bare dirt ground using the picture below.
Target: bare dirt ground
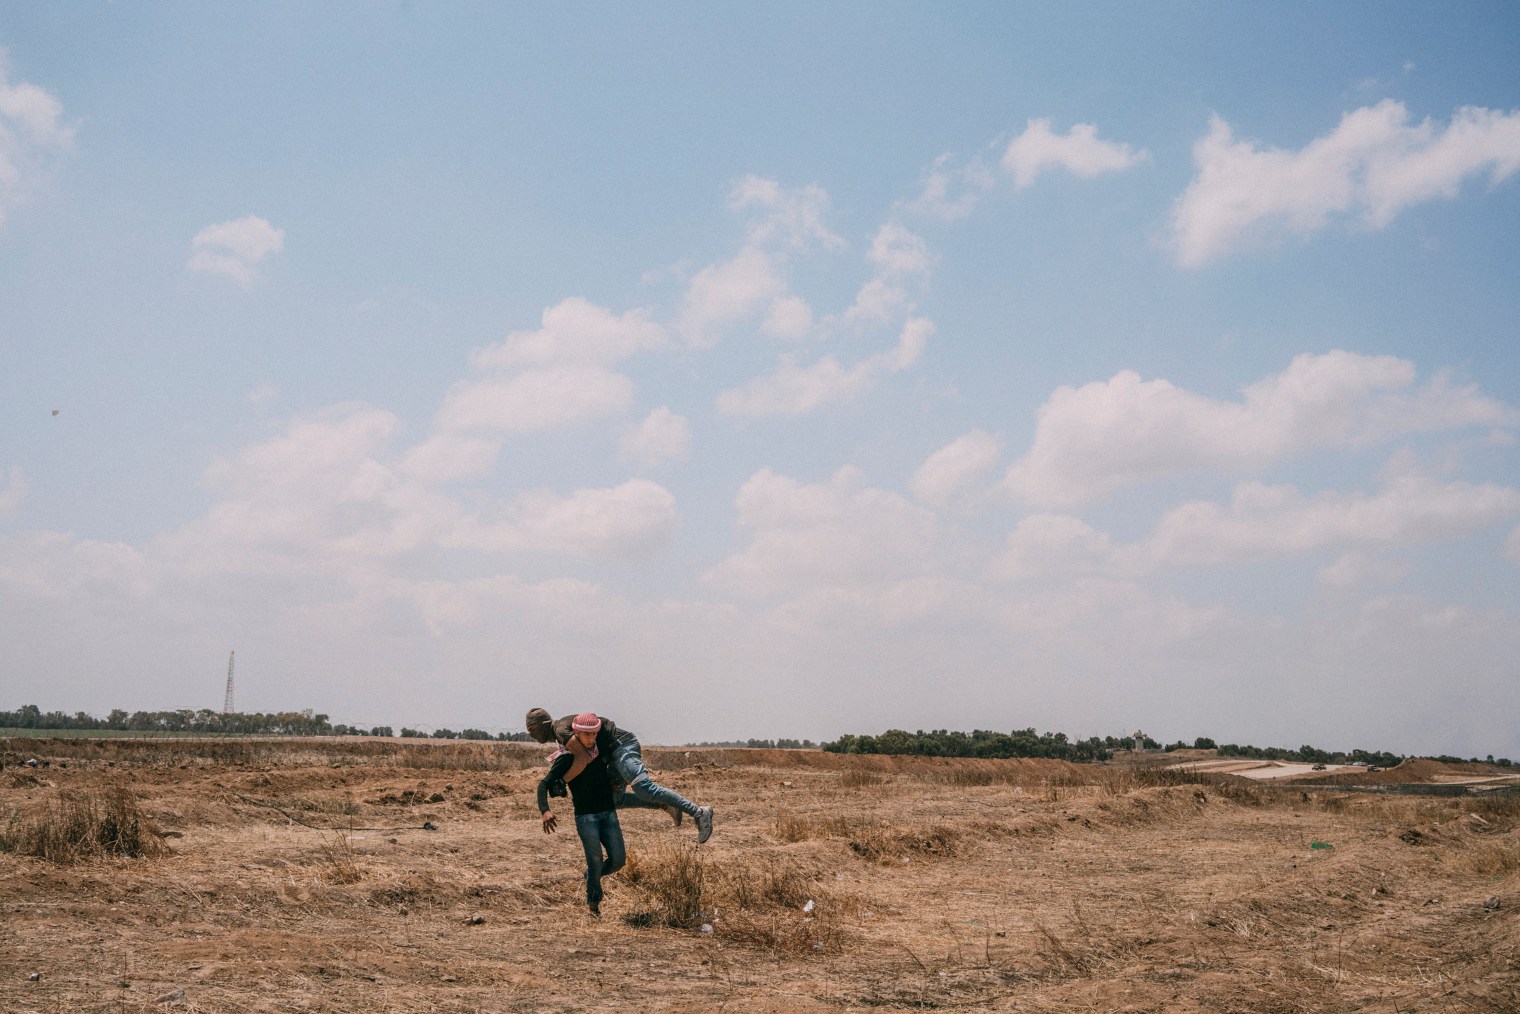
(302, 880)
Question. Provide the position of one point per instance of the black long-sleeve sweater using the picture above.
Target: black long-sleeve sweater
(590, 791)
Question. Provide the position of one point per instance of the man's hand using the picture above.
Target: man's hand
(549, 821)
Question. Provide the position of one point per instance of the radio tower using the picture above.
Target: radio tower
(227, 701)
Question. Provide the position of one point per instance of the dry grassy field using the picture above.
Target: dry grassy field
(298, 876)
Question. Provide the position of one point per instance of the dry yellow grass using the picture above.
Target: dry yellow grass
(304, 881)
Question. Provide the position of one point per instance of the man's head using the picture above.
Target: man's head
(585, 726)
(540, 725)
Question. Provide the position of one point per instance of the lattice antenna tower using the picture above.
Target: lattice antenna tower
(227, 701)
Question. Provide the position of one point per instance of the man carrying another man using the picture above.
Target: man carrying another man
(619, 749)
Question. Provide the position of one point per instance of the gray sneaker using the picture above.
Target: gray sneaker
(704, 823)
(675, 812)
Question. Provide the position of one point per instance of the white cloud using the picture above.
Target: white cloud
(661, 437)
(13, 493)
(793, 390)
(901, 258)
(1265, 522)
(32, 132)
(721, 294)
(1079, 152)
(789, 318)
(575, 331)
(631, 520)
(535, 400)
(949, 471)
(1358, 569)
(951, 194)
(263, 394)
(235, 249)
(450, 457)
(835, 534)
(1053, 546)
(784, 221)
(1375, 163)
(321, 500)
(1103, 436)
(787, 216)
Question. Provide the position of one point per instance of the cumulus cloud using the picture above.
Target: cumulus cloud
(788, 216)
(13, 493)
(950, 192)
(900, 259)
(662, 436)
(1264, 522)
(1373, 165)
(630, 520)
(1104, 436)
(783, 221)
(235, 249)
(1359, 569)
(789, 318)
(795, 390)
(838, 533)
(577, 331)
(720, 294)
(331, 496)
(1053, 546)
(534, 401)
(556, 376)
(32, 133)
(318, 499)
(450, 457)
(952, 469)
(1079, 152)
(1512, 546)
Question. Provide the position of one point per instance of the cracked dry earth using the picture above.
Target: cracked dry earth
(301, 879)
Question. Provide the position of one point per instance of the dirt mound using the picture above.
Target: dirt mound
(1417, 771)
(673, 758)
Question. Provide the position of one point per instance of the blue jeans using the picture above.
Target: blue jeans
(630, 767)
(600, 831)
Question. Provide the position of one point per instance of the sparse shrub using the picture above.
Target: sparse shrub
(889, 843)
(1494, 859)
(672, 881)
(84, 826)
(794, 827)
(775, 902)
(856, 778)
(341, 866)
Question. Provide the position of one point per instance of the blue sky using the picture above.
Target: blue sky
(783, 371)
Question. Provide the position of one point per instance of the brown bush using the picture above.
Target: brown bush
(84, 826)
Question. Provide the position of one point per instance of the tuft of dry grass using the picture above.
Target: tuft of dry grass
(773, 902)
(792, 827)
(889, 843)
(86, 825)
(673, 883)
(860, 778)
(340, 865)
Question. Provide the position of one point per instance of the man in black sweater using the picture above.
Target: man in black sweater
(595, 811)
(620, 749)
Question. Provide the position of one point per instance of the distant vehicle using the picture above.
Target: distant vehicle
(1318, 767)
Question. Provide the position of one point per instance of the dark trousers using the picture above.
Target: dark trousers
(602, 838)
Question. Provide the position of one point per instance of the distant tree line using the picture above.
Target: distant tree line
(1056, 745)
(208, 722)
(980, 743)
(1310, 755)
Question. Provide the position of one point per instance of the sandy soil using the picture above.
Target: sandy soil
(303, 881)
